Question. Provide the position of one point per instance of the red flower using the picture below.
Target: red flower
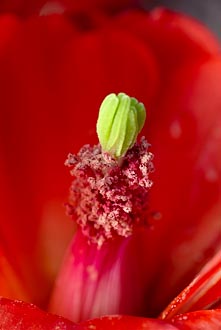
(54, 72)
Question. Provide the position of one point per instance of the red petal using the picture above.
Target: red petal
(115, 68)
(27, 193)
(174, 38)
(10, 283)
(56, 93)
(203, 292)
(119, 322)
(18, 315)
(201, 320)
(187, 178)
(184, 131)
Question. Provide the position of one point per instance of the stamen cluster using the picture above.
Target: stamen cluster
(109, 198)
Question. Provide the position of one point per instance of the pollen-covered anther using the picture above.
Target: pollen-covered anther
(108, 199)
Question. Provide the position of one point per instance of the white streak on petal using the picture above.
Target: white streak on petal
(175, 129)
(211, 175)
(52, 7)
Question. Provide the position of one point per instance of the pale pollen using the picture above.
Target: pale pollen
(109, 199)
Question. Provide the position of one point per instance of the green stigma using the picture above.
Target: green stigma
(120, 120)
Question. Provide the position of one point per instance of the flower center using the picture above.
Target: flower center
(108, 199)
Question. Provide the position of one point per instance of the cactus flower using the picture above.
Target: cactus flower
(145, 243)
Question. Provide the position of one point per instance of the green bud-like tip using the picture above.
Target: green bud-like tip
(120, 120)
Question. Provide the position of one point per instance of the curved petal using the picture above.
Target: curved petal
(23, 118)
(189, 170)
(201, 320)
(118, 322)
(184, 132)
(174, 38)
(56, 93)
(10, 283)
(18, 315)
(203, 292)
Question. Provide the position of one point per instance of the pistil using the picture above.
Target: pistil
(109, 192)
